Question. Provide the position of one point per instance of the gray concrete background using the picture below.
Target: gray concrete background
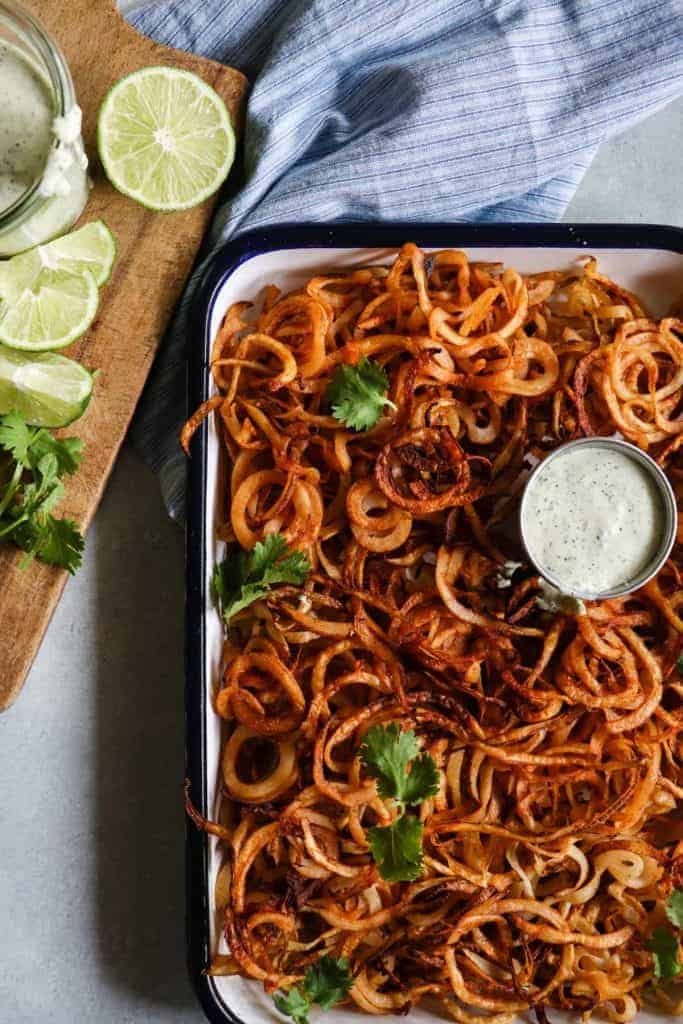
(91, 756)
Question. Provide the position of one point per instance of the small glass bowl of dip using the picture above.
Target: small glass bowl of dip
(43, 168)
(598, 518)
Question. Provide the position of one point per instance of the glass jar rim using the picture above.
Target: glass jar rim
(16, 16)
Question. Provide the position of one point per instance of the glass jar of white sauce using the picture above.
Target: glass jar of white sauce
(43, 167)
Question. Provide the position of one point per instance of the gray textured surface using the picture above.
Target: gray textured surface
(91, 757)
(91, 762)
(635, 176)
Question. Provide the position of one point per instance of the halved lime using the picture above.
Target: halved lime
(165, 138)
(91, 248)
(46, 389)
(56, 309)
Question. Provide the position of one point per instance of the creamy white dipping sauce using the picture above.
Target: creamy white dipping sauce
(593, 518)
(37, 147)
(25, 124)
(550, 599)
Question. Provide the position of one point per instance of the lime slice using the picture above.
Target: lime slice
(57, 308)
(91, 248)
(47, 390)
(165, 138)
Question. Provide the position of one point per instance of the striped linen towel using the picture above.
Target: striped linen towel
(487, 110)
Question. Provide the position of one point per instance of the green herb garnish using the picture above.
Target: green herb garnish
(397, 849)
(32, 463)
(679, 664)
(247, 576)
(407, 776)
(358, 394)
(387, 752)
(664, 948)
(674, 908)
(664, 944)
(326, 983)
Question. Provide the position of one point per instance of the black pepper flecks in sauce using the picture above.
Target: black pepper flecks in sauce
(26, 113)
(593, 518)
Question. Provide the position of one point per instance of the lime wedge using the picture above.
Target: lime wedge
(57, 308)
(47, 390)
(91, 248)
(165, 138)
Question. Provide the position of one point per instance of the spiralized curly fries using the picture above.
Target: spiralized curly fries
(557, 831)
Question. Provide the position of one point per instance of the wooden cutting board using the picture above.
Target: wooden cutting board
(155, 256)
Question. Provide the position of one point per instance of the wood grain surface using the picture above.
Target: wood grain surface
(155, 255)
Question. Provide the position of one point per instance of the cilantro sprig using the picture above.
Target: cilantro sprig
(397, 849)
(326, 983)
(674, 908)
(664, 944)
(407, 776)
(357, 394)
(32, 464)
(664, 948)
(247, 576)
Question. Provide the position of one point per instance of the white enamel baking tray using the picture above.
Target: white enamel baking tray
(646, 259)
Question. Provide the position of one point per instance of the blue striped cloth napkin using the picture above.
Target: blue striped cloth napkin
(433, 110)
